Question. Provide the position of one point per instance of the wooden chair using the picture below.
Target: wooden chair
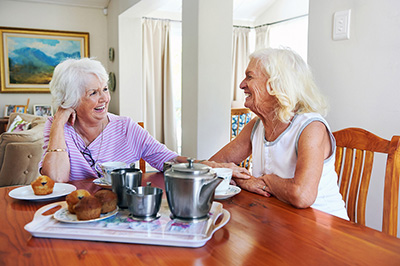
(142, 163)
(355, 148)
(239, 118)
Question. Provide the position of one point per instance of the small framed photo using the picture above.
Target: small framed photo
(20, 109)
(8, 110)
(43, 110)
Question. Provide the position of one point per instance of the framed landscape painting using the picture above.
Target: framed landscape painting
(29, 56)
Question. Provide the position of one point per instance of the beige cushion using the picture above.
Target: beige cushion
(20, 152)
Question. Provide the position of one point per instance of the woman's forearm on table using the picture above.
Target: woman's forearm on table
(290, 191)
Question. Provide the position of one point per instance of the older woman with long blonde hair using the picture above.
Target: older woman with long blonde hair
(291, 143)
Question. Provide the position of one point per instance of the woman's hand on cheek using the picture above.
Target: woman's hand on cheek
(63, 116)
(72, 118)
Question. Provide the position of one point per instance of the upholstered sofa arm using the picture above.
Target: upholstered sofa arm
(20, 153)
(20, 163)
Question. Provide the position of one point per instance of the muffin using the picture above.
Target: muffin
(88, 208)
(74, 197)
(108, 200)
(43, 185)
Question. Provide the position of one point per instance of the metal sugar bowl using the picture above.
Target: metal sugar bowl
(190, 189)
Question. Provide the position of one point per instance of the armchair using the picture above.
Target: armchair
(20, 152)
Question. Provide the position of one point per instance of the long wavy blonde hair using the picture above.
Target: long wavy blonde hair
(291, 82)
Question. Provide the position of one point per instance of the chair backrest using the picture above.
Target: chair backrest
(142, 163)
(355, 149)
(239, 118)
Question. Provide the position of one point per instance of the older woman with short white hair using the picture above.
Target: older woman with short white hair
(291, 143)
(83, 133)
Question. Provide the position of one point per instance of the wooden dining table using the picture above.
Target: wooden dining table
(261, 231)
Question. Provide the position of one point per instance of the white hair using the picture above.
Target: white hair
(290, 80)
(69, 80)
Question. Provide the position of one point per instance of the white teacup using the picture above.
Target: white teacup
(226, 173)
(107, 167)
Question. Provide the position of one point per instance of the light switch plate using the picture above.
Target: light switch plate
(341, 25)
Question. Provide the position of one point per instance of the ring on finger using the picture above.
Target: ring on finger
(264, 188)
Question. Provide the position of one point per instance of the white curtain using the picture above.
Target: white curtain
(157, 82)
(292, 33)
(262, 37)
(240, 59)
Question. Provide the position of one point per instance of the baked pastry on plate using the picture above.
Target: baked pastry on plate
(43, 185)
(88, 208)
(108, 200)
(74, 197)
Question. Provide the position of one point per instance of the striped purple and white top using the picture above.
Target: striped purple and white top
(122, 140)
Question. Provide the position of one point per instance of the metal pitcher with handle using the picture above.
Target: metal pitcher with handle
(190, 189)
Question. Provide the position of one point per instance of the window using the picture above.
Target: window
(292, 33)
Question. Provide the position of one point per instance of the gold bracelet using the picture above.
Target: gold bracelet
(56, 150)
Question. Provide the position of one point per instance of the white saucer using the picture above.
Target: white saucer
(102, 182)
(230, 192)
(26, 192)
(63, 215)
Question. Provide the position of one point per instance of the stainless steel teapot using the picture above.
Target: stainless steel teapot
(190, 189)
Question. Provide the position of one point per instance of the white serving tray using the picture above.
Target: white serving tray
(120, 228)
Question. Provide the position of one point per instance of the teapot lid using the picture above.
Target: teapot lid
(190, 167)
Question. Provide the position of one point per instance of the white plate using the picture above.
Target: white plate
(26, 192)
(102, 182)
(63, 215)
(230, 192)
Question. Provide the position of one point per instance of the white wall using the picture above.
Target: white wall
(283, 9)
(124, 35)
(360, 76)
(206, 76)
(53, 17)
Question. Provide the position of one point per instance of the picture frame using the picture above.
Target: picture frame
(8, 110)
(20, 109)
(43, 110)
(29, 56)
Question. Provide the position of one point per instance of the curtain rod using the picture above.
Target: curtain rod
(172, 20)
(279, 21)
(246, 27)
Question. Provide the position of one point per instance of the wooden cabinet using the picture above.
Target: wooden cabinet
(3, 124)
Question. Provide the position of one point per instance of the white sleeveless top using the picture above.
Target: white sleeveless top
(279, 157)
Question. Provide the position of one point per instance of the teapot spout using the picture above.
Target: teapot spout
(208, 188)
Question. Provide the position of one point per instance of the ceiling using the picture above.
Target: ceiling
(82, 3)
(242, 9)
